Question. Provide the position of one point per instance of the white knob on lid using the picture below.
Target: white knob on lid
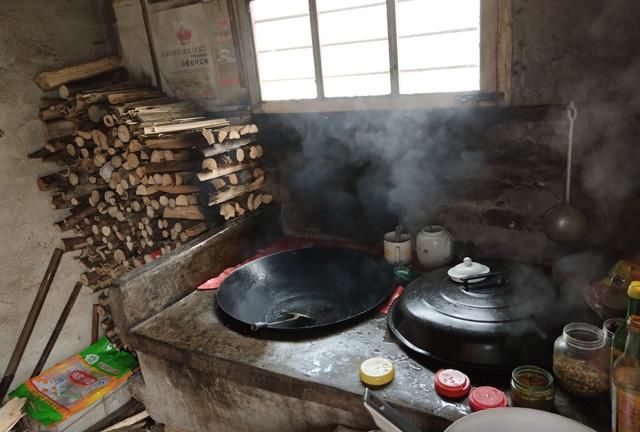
(467, 262)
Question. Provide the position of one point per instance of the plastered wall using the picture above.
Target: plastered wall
(37, 35)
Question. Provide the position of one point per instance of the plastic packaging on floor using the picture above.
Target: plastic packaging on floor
(77, 383)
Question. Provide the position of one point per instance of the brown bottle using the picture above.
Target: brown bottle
(625, 393)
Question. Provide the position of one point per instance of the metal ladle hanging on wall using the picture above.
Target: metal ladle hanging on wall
(565, 223)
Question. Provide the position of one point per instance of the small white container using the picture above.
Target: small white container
(434, 246)
(397, 247)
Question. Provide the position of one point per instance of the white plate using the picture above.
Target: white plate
(516, 420)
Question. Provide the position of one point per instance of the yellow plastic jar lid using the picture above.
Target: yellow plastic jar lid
(377, 371)
(634, 290)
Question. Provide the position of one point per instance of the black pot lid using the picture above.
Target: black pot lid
(497, 322)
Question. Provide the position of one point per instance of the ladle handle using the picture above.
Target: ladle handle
(572, 113)
(293, 316)
(497, 278)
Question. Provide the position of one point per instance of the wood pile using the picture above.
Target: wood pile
(139, 173)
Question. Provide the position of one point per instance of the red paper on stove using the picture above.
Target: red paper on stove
(290, 243)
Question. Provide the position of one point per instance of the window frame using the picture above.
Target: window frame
(495, 67)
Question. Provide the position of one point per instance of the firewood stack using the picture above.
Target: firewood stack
(140, 173)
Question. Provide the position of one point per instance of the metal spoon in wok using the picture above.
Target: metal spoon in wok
(565, 223)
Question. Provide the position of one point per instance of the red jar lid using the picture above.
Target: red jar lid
(451, 383)
(482, 398)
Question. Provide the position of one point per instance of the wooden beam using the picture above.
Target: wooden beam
(152, 50)
(53, 79)
(315, 42)
(392, 34)
(505, 49)
(488, 45)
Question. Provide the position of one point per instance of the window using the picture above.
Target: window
(382, 49)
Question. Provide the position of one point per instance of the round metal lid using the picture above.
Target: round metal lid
(475, 323)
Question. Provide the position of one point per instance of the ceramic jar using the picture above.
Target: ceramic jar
(434, 246)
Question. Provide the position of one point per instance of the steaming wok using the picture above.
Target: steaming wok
(497, 323)
(304, 289)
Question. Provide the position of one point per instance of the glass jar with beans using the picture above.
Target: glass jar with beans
(581, 360)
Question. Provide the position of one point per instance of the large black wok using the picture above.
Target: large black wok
(305, 288)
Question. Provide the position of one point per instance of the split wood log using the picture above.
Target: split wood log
(123, 133)
(221, 171)
(58, 129)
(186, 212)
(11, 413)
(51, 113)
(186, 126)
(233, 192)
(118, 75)
(53, 79)
(69, 222)
(183, 141)
(240, 177)
(172, 166)
(54, 182)
(217, 149)
(186, 200)
(132, 95)
(256, 152)
(39, 154)
(97, 112)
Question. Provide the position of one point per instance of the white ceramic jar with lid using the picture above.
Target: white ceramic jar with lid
(434, 245)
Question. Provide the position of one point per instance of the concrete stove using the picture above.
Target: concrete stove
(200, 375)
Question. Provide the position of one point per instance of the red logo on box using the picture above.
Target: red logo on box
(184, 36)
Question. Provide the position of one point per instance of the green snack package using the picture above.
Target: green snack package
(76, 383)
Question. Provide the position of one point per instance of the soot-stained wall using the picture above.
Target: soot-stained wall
(489, 174)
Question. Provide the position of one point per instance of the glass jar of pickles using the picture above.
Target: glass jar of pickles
(532, 387)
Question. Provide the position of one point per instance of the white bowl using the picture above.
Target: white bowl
(516, 420)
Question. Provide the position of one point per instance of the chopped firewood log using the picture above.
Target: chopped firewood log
(39, 154)
(66, 91)
(54, 182)
(109, 120)
(185, 200)
(221, 171)
(185, 212)
(51, 113)
(11, 413)
(53, 79)
(218, 183)
(172, 166)
(228, 211)
(69, 222)
(97, 112)
(135, 145)
(128, 96)
(230, 145)
(240, 177)
(132, 161)
(99, 138)
(183, 141)
(58, 129)
(123, 133)
(208, 135)
(179, 189)
(70, 244)
(256, 152)
(233, 192)
(186, 126)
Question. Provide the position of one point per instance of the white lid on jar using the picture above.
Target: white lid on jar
(467, 268)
